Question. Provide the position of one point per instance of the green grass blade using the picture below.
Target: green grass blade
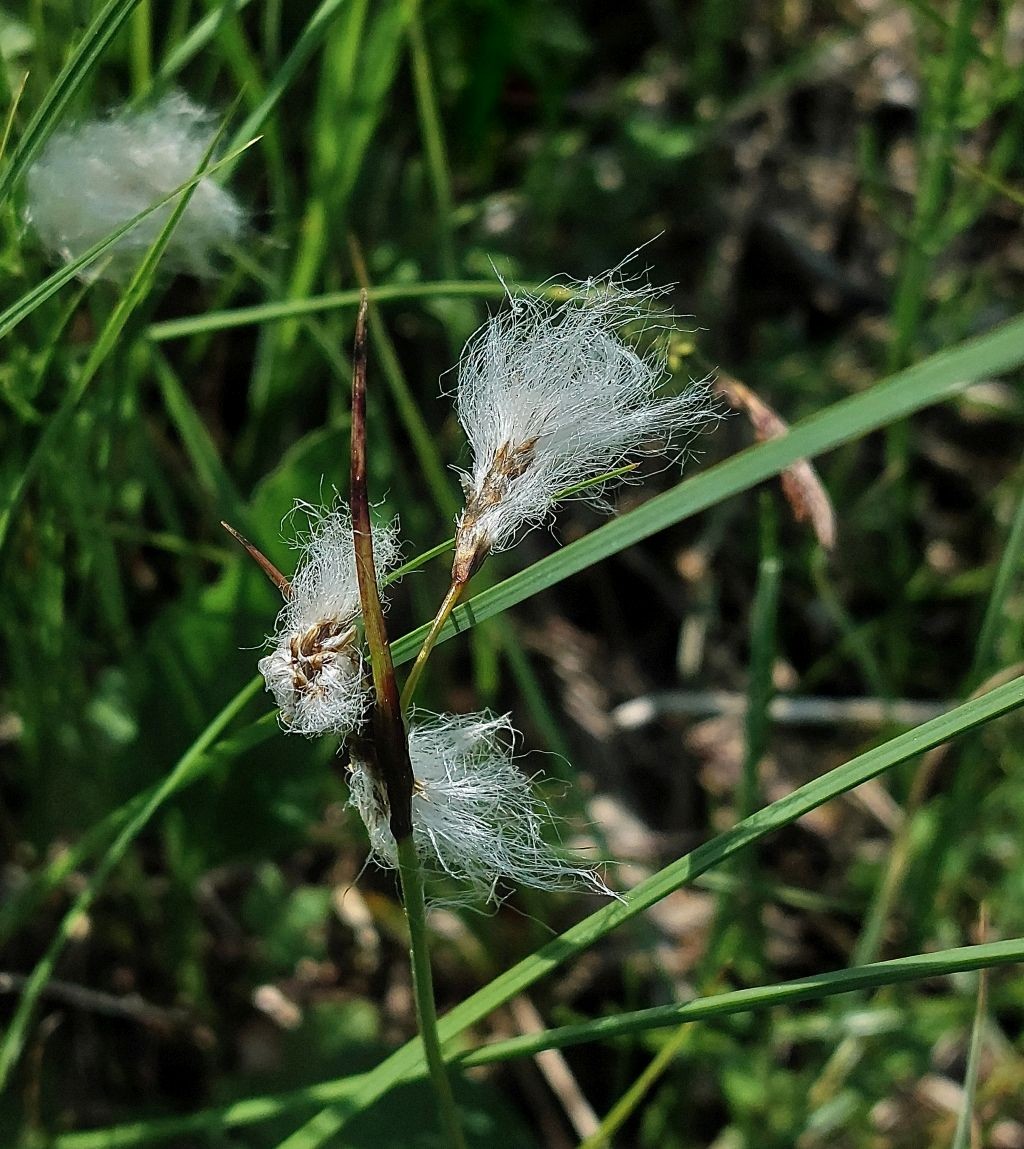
(94, 42)
(1009, 566)
(197, 39)
(928, 382)
(813, 988)
(962, 1138)
(432, 131)
(281, 310)
(198, 442)
(311, 37)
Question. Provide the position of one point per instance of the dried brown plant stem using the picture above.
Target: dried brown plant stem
(391, 745)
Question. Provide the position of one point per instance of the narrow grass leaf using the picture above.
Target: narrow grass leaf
(814, 988)
(94, 42)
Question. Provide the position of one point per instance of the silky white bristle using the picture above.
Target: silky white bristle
(550, 396)
(315, 670)
(475, 816)
(93, 177)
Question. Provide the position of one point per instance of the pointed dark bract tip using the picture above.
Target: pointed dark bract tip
(261, 560)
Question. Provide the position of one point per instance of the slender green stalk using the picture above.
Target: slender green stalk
(433, 141)
(630, 1101)
(443, 611)
(908, 306)
(1009, 566)
(962, 1137)
(142, 48)
(335, 301)
(411, 873)
(763, 643)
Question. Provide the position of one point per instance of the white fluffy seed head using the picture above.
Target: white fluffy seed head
(93, 177)
(475, 816)
(551, 395)
(315, 670)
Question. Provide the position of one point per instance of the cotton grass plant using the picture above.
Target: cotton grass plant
(356, 104)
(553, 401)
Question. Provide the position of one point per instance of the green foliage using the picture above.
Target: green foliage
(846, 234)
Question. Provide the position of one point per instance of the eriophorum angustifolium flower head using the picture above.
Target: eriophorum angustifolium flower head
(315, 670)
(93, 177)
(475, 816)
(551, 394)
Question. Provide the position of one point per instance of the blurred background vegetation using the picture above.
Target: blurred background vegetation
(835, 192)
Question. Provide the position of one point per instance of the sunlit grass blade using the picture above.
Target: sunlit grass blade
(95, 39)
(356, 1094)
(286, 309)
(196, 40)
(432, 131)
(813, 988)
(310, 38)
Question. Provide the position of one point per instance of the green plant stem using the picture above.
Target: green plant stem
(962, 1136)
(1009, 565)
(337, 300)
(443, 611)
(627, 1104)
(423, 986)
(908, 305)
